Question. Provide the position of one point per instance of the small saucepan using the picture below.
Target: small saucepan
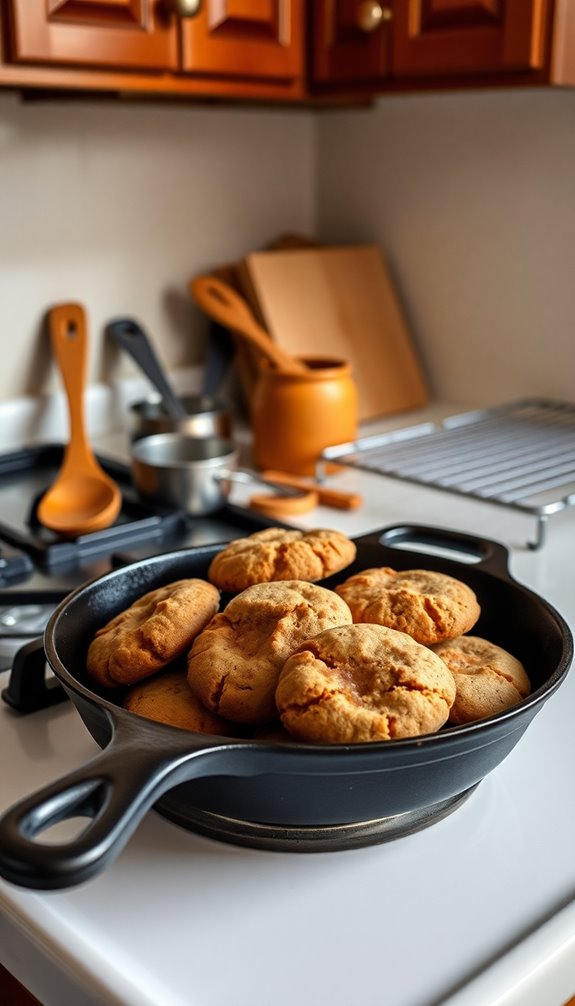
(196, 474)
(205, 416)
(281, 786)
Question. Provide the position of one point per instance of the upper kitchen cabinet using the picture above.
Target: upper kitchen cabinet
(262, 39)
(284, 50)
(410, 44)
(233, 48)
(95, 33)
(470, 36)
(351, 42)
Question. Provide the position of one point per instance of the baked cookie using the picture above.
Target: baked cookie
(363, 683)
(152, 632)
(167, 698)
(430, 607)
(488, 679)
(278, 554)
(234, 664)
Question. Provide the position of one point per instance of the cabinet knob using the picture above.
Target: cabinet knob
(184, 8)
(371, 15)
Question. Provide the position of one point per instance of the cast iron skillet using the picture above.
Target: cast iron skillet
(280, 784)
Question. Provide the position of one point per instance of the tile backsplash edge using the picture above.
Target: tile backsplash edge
(33, 419)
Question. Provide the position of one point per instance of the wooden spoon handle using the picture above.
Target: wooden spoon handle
(224, 305)
(336, 498)
(68, 337)
(278, 507)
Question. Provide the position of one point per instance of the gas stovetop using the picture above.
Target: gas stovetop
(33, 555)
(38, 568)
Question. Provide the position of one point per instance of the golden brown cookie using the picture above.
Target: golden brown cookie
(235, 662)
(167, 698)
(488, 679)
(279, 554)
(363, 683)
(429, 606)
(152, 632)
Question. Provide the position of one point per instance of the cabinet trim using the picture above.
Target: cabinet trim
(145, 42)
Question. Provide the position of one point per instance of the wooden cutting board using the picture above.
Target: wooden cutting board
(339, 302)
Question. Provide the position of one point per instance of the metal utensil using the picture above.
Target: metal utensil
(220, 352)
(130, 336)
(83, 497)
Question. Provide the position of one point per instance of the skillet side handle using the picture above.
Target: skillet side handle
(114, 791)
(489, 555)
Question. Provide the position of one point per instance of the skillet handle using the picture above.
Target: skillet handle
(489, 555)
(113, 790)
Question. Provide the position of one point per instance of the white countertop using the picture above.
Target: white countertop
(181, 920)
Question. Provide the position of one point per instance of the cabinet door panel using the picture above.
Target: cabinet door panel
(109, 33)
(343, 50)
(259, 39)
(469, 36)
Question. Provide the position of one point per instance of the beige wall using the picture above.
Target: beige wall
(472, 198)
(117, 205)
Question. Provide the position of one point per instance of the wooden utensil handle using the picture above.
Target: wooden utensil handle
(217, 297)
(283, 506)
(68, 337)
(224, 305)
(67, 323)
(335, 498)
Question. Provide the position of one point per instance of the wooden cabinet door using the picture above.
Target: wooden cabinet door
(132, 34)
(253, 39)
(453, 37)
(348, 47)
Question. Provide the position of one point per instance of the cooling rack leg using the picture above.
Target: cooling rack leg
(541, 533)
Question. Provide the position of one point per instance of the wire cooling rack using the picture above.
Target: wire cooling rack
(519, 455)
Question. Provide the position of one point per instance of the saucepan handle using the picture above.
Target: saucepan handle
(113, 791)
(487, 554)
(283, 501)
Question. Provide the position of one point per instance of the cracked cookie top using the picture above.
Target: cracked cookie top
(430, 607)
(167, 698)
(234, 664)
(280, 554)
(359, 683)
(487, 678)
(152, 632)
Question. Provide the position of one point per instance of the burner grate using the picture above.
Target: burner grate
(14, 565)
(305, 838)
(520, 455)
(24, 477)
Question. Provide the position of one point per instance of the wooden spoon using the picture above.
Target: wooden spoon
(82, 498)
(336, 498)
(224, 305)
